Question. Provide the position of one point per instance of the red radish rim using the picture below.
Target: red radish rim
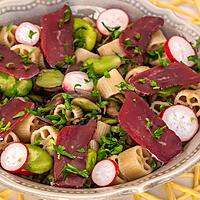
(22, 167)
(116, 172)
(168, 52)
(103, 34)
(195, 132)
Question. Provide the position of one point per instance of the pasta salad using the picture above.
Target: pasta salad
(91, 103)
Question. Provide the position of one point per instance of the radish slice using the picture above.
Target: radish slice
(25, 173)
(14, 157)
(112, 18)
(104, 172)
(178, 49)
(27, 33)
(182, 120)
(76, 81)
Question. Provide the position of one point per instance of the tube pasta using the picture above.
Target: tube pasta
(11, 137)
(189, 98)
(75, 113)
(157, 105)
(7, 35)
(108, 86)
(111, 48)
(25, 128)
(133, 163)
(83, 54)
(34, 52)
(94, 145)
(135, 71)
(195, 87)
(102, 129)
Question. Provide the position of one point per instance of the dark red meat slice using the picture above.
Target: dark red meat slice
(11, 64)
(176, 74)
(144, 27)
(73, 138)
(56, 42)
(9, 110)
(132, 118)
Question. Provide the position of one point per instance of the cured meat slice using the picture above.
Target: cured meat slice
(140, 123)
(8, 111)
(135, 39)
(57, 36)
(73, 138)
(159, 78)
(11, 64)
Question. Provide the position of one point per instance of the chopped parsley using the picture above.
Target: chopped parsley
(106, 74)
(81, 150)
(60, 150)
(128, 43)
(196, 61)
(10, 65)
(126, 60)
(137, 51)
(125, 86)
(137, 36)
(154, 164)
(26, 58)
(67, 16)
(39, 111)
(154, 85)
(31, 34)
(1, 56)
(197, 45)
(71, 169)
(91, 114)
(100, 103)
(115, 32)
(79, 39)
(158, 132)
(3, 126)
(67, 98)
(69, 59)
(148, 122)
(141, 80)
(19, 114)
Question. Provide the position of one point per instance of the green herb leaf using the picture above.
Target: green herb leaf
(137, 36)
(168, 91)
(31, 34)
(67, 98)
(69, 60)
(125, 86)
(81, 150)
(100, 103)
(106, 74)
(155, 85)
(148, 122)
(196, 61)
(60, 150)
(154, 164)
(3, 126)
(158, 132)
(91, 114)
(19, 114)
(197, 45)
(39, 111)
(26, 58)
(71, 169)
(141, 80)
(115, 33)
(10, 65)
(125, 60)
(67, 15)
(137, 51)
(128, 43)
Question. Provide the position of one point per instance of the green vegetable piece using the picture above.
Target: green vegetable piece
(49, 78)
(39, 161)
(85, 104)
(169, 91)
(50, 146)
(10, 90)
(109, 121)
(24, 87)
(91, 160)
(85, 34)
(3, 81)
(105, 63)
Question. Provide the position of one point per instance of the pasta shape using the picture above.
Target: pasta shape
(156, 106)
(75, 113)
(7, 35)
(189, 98)
(195, 87)
(25, 128)
(83, 54)
(94, 145)
(102, 129)
(44, 133)
(35, 53)
(158, 39)
(135, 71)
(108, 86)
(134, 163)
(111, 48)
(156, 62)
(11, 137)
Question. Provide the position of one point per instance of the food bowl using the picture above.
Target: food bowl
(15, 11)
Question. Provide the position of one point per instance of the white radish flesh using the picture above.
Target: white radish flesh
(105, 172)
(182, 120)
(178, 49)
(27, 33)
(112, 18)
(76, 80)
(14, 157)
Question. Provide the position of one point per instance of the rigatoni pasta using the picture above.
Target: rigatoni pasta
(83, 54)
(108, 86)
